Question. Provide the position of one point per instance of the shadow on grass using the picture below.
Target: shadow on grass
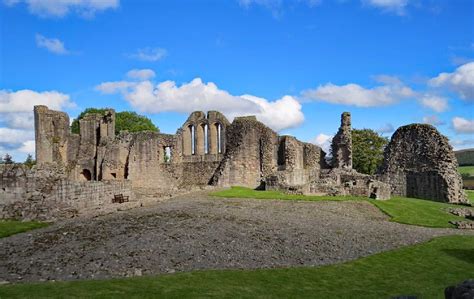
(466, 255)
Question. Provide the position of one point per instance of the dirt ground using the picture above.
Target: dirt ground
(195, 231)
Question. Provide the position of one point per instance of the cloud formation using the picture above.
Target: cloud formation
(142, 74)
(353, 94)
(323, 141)
(16, 117)
(149, 54)
(462, 125)
(61, 8)
(276, 7)
(436, 103)
(461, 144)
(395, 6)
(433, 120)
(461, 81)
(167, 96)
(386, 129)
(53, 45)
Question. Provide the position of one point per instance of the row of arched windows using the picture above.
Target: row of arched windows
(203, 139)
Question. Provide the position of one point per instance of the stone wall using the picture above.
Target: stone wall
(51, 135)
(419, 162)
(207, 149)
(341, 146)
(46, 194)
(251, 155)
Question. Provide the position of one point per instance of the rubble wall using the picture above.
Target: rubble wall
(341, 146)
(51, 135)
(45, 194)
(251, 155)
(419, 162)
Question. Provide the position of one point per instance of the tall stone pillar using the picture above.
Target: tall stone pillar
(341, 146)
(51, 135)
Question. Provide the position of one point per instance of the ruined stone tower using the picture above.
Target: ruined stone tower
(51, 135)
(419, 162)
(341, 146)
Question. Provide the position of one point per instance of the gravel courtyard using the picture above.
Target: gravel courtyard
(195, 231)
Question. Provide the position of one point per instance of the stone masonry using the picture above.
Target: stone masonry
(419, 162)
(75, 171)
(341, 146)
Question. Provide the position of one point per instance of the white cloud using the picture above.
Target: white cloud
(146, 96)
(53, 45)
(61, 8)
(24, 100)
(16, 117)
(433, 120)
(13, 136)
(20, 120)
(386, 129)
(323, 141)
(149, 54)
(115, 86)
(462, 125)
(28, 147)
(461, 81)
(280, 114)
(356, 95)
(436, 103)
(396, 6)
(142, 74)
(276, 7)
(460, 144)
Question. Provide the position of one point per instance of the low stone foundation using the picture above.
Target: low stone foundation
(44, 195)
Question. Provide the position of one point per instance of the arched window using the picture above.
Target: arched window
(219, 138)
(206, 139)
(193, 139)
(167, 154)
(86, 174)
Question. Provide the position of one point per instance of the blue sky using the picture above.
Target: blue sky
(296, 64)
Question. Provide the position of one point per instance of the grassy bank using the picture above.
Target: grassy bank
(467, 170)
(404, 210)
(417, 211)
(470, 195)
(423, 270)
(11, 227)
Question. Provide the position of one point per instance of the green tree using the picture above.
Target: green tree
(367, 150)
(124, 121)
(133, 122)
(8, 159)
(29, 162)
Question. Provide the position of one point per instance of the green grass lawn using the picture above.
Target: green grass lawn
(423, 270)
(243, 192)
(417, 211)
(466, 170)
(470, 195)
(11, 227)
(403, 210)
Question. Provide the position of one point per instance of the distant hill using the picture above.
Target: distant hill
(465, 157)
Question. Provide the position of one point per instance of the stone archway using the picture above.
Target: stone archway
(86, 175)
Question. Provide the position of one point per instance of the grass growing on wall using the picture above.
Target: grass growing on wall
(423, 270)
(11, 227)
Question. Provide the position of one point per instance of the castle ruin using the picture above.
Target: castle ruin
(76, 171)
